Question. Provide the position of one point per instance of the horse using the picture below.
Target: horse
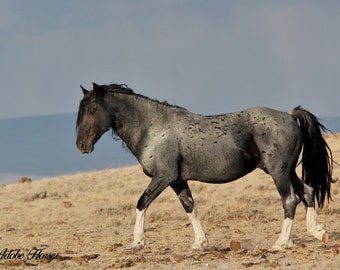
(174, 146)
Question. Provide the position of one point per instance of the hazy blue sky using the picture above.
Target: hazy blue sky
(209, 56)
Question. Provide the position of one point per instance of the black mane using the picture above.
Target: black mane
(118, 88)
(124, 89)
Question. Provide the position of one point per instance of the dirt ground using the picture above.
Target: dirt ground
(85, 221)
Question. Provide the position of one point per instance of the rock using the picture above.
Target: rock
(235, 245)
(336, 249)
(67, 204)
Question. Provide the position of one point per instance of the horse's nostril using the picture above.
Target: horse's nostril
(81, 146)
(84, 148)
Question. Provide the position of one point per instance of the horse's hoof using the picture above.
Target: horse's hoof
(276, 248)
(196, 246)
(320, 234)
(200, 245)
(282, 245)
(137, 247)
(325, 238)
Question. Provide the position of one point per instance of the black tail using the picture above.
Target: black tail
(317, 159)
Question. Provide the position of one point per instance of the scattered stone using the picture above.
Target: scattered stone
(235, 245)
(67, 204)
(336, 249)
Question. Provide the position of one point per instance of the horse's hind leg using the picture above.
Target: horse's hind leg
(289, 202)
(184, 194)
(306, 195)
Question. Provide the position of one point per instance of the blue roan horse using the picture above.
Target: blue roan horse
(174, 145)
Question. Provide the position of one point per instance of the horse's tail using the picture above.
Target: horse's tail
(317, 159)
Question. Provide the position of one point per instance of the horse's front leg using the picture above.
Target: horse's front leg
(156, 186)
(138, 232)
(184, 194)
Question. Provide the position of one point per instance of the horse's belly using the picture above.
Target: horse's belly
(215, 166)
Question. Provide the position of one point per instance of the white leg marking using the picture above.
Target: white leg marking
(313, 227)
(201, 240)
(284, 240)
(138, 233)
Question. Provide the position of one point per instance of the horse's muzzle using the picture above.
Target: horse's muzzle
(84, 148)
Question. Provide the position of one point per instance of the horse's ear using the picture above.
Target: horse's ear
(85, 92)
(98, 90)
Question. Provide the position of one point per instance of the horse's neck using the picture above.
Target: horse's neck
(133, 117)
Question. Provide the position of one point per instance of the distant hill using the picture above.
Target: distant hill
(45, 146)
(332, 123)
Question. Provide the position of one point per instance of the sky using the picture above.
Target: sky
(208, 56)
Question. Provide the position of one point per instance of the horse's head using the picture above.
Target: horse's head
(93, 118)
